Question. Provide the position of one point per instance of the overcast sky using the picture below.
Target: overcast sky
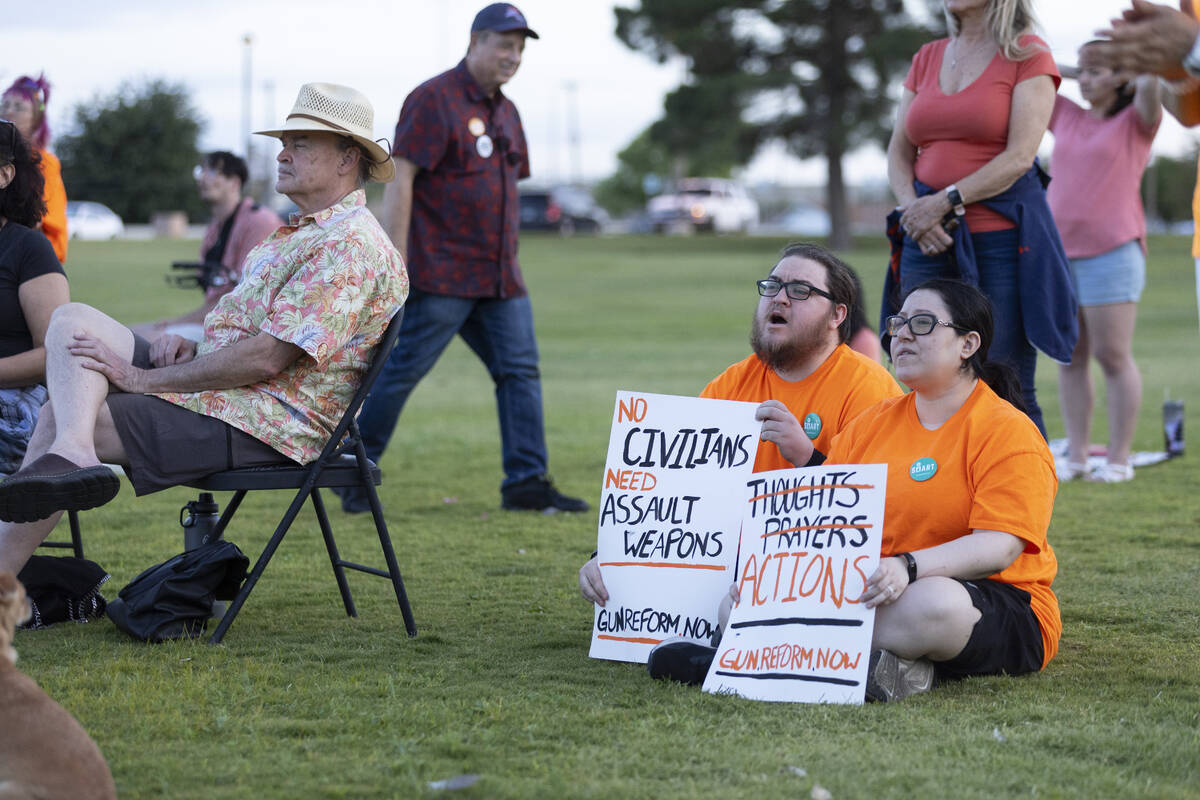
(577, 71)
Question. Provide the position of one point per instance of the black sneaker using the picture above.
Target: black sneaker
(891, 678)
(680, 660)
(538, 494)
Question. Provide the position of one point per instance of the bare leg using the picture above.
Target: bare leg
(1112, 341)
(1076, 397)
(933, 619)
(77, 393)
(82, 401)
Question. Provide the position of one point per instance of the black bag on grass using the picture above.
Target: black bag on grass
(62, 588)
(174, 599)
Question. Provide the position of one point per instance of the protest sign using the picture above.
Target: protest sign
(670, 510)
(810, 538)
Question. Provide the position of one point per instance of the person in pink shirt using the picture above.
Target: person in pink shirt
(238, 224)
(1099, 156)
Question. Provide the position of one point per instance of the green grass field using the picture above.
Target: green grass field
(301, 701)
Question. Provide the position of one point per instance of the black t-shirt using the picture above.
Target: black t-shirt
(24, 254)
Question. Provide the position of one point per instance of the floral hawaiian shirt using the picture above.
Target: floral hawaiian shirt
(329, 283)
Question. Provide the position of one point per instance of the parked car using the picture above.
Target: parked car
(704, 204)
(88, 220)
(565, 209)
(801, 220)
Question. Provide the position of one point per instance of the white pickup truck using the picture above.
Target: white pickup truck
(704, 204)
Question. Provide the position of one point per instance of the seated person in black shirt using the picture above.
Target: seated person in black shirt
(32, 285)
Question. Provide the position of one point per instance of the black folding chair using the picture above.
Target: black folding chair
(342, 463)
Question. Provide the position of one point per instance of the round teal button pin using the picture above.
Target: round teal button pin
(812, 425)
(922, 469)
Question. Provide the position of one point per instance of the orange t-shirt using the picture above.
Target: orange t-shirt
(956, 134)
(993, 471)
(54, 224)
(843, 386)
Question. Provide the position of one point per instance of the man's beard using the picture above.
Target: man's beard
(789, 353)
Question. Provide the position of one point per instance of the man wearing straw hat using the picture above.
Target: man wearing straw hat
(281, 357)
(454, 212)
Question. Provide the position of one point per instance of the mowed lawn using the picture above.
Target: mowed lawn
(301, 701)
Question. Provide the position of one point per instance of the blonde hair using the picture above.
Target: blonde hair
(1007, 21)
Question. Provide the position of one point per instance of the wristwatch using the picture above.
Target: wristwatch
(956, 200)
(1191, 62)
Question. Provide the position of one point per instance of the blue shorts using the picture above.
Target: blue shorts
(1117, 276)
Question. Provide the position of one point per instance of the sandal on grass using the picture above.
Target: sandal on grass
(1070, 470)
(1111, 473)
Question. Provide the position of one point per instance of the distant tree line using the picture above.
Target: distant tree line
(134, 151)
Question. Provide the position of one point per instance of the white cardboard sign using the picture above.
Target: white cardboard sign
(670, 510)
(810, 538)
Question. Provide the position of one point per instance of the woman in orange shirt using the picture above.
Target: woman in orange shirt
(24, 103)
(963, 585)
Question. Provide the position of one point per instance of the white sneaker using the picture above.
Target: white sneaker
(1111, 473)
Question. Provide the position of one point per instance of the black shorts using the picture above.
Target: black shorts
(1007, 639)
(167, 445)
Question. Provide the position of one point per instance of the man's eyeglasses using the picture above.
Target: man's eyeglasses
(919, 324)
(796, 290)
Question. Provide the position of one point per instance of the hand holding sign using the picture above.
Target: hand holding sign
(669, 516)
(800, 633)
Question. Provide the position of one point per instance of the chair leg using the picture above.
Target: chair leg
(334, 558)
(260, 565)
(76, 535)
(389, 556)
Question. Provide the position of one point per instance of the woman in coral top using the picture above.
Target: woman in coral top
(25, 104)
(963, 585)
(1103, 226)
(961, 165)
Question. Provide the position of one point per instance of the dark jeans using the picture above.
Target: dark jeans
(996, 256)
(501, 333)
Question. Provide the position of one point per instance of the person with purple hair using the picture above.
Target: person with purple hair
(24, 103)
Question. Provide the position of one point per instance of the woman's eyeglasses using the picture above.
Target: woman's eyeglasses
(919, 324)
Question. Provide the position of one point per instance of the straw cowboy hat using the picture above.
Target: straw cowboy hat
(339, 109)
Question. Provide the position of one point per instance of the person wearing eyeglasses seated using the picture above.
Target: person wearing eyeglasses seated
(963, 585)
(32, 285)
(237, 226)
(808, 382)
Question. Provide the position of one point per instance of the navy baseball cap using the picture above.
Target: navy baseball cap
(502, 18)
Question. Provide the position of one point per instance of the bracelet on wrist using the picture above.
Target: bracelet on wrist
(910, 563)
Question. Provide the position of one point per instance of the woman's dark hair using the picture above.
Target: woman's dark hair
(970, 309)
(21, 201)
